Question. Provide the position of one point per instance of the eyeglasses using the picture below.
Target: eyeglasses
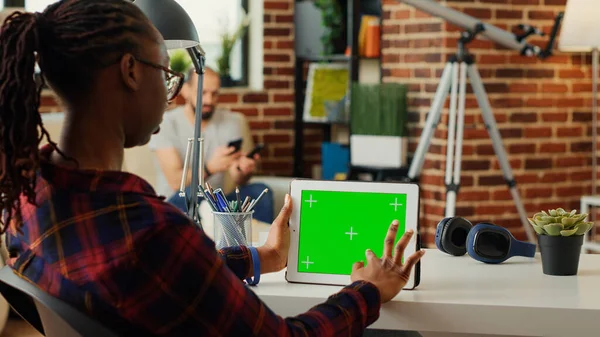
(174, 79)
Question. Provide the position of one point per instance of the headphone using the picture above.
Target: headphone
(484, 242)
(451, 235)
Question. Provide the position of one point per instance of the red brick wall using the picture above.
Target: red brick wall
(270, 111)
(543, 111)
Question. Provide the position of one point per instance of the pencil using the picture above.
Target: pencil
(209, 187)
(253, 204)
(245, 203)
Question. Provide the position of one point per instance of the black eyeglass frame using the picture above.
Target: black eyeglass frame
(170, 75)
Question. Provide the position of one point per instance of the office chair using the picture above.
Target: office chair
(47, 314)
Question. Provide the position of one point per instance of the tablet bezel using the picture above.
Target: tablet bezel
(412, 222)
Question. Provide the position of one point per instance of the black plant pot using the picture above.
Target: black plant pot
(560, 254)
(227, 81)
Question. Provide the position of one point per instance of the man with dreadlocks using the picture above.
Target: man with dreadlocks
(101, 239)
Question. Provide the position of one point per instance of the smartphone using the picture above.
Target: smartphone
(256, 150)
(236, 144)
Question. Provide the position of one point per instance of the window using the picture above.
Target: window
(214, 18)
(37, 5)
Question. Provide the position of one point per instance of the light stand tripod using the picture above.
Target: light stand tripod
(454, 81)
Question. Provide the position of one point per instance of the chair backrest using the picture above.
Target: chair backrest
(47, 314)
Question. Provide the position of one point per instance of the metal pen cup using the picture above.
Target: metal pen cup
(232, 229)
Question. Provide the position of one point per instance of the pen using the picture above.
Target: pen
(222, 200)
(237, 193)
(220, 192)
(245, 204)
(209, 187)
(210, 200)
(253, 204)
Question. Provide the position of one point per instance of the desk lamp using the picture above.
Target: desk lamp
(179, 32)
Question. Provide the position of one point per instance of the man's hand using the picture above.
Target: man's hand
(388, 274)
(247, 166)
(222, 159)
(274, 253)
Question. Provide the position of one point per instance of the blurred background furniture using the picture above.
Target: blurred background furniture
(140, 161)
(581, 34)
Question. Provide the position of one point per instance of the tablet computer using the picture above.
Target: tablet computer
(333, 223)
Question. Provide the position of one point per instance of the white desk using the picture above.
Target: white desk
(463, 296)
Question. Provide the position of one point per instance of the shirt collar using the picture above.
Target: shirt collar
(90, 180)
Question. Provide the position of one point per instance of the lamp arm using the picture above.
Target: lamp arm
(547, 52)
(198, 58)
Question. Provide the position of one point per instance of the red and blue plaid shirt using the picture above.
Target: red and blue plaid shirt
(106, 243)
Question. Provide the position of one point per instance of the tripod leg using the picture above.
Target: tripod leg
(492, 128)
(455, 183)
(431, 123)
(450, 186)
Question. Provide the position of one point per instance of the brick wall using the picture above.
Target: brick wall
(543, 111)
(270, 111)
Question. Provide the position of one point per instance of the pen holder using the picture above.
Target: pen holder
(232, 229)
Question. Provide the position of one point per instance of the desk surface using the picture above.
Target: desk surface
(461, 295)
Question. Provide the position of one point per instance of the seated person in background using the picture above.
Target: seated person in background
(101, 239)
(219, 127)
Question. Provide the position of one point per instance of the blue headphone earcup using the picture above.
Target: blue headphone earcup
(453, 234)
(438, 234)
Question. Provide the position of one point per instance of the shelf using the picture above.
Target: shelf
(326, 123)
(353, 60)
(318, 58)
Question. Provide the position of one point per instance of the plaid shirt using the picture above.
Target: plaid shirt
(106, 243)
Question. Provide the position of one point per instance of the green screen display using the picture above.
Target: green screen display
(336, 228)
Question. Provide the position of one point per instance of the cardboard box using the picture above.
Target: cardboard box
(378, 151)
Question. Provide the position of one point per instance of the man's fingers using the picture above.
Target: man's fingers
(357, 265)
(285, 213)
(390, 238)
(410, 263)
(401, 246)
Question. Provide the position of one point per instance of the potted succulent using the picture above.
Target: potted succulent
(560, 237)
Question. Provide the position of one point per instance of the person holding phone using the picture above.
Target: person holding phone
(230, 159)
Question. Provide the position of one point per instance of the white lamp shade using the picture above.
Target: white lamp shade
(581, 26)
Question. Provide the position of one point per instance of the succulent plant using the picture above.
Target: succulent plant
(558, 222)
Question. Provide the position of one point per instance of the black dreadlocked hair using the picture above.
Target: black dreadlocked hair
(70, 41)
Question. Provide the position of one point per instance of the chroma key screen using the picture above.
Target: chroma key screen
(336, 228)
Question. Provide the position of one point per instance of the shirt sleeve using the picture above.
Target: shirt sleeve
(181, 286)
(165, 138)
(237, 259)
